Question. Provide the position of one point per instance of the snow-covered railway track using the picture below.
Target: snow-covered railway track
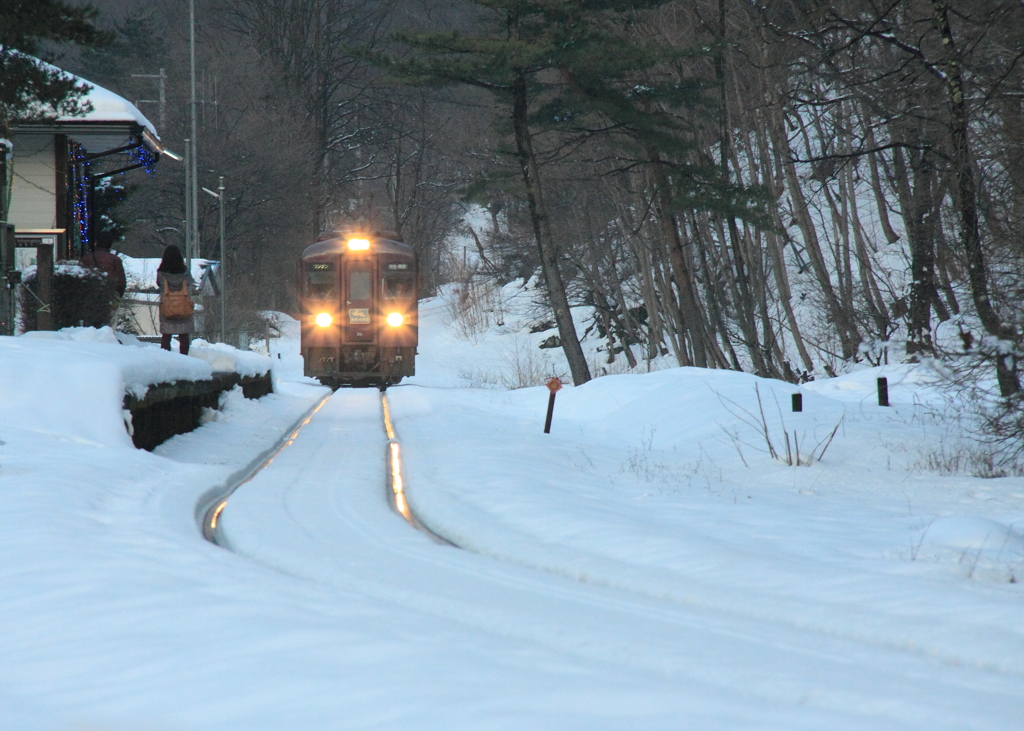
(213, 502)
(210, 507)
(313, 516)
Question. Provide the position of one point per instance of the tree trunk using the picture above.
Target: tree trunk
(921, 230)
(846, 329)
(546, 246)
(967, 201)
(682, 269)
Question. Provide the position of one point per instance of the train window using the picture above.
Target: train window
(359, 285)
(320, 281)
(398, 286)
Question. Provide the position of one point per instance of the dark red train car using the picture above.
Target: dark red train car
(359, 310)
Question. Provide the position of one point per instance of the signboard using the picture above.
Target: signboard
(359, 316)
(24, 257)
(26, 241)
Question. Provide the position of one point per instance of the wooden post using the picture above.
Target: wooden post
(551, 412)
(798, 402)
(5, 149)
(553, 386)
(9, 276)
(883, 391)
(44, 286)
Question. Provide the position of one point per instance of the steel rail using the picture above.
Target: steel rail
(211, 505)
(396, 484)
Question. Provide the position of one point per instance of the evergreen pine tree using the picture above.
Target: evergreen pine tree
(29, 89)
(519, 42)
(570, 66)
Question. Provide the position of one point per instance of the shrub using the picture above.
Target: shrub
(81, 297)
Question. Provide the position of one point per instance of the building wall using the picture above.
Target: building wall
(34, 189)
(143, 311)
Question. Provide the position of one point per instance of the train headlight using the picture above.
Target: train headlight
(395, 319)
(358, 245)
(324, 319)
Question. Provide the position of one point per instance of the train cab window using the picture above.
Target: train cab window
(398, 286)
(321, 281)
(359, 285)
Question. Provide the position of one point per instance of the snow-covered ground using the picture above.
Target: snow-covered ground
(647, 565)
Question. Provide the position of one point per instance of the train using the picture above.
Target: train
(359, 310)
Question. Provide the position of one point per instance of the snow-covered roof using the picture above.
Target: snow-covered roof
(106, 105)
(109, 107)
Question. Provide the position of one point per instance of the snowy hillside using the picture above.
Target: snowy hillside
(647, 565)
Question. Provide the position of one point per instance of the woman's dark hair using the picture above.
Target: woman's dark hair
(172, 262)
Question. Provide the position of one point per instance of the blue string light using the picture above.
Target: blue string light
(80, 213)
(79, 184)
(144, 156)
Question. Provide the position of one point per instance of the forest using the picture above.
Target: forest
(784, 187)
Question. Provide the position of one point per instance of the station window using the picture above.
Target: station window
(359, 285)
(320, 281)
(398, 286)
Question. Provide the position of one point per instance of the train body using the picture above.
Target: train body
(359, 310)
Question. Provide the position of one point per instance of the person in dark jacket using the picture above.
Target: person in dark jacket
(172, 272)
(103, 259)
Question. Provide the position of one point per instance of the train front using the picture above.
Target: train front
(359, 318)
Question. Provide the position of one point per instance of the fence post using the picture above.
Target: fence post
(9, 276)
(883, 391)
(44, 280)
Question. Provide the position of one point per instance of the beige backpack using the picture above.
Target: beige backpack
(176, 304)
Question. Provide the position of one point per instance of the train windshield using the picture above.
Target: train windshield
(321, 280)
(398, 286)
(359, 285)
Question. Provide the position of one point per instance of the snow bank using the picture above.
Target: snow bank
(969, 531)
(72, 383)
(224, 357)
(908, 383)
(712, 586)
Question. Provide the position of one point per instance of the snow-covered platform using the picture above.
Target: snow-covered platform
(99, 376)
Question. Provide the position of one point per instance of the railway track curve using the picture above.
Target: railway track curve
(213, 503)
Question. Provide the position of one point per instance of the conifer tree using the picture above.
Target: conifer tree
(571, 66)
(29, 89)
(518, 43)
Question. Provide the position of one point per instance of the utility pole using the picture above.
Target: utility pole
(222, 267)
(162, 101)
(188, 205)
(194, 172)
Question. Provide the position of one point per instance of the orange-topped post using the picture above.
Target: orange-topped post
(554, 385)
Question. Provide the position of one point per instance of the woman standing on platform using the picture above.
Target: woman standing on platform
(175, 285)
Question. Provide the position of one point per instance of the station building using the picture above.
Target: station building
(53, 167)
(56, 164)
